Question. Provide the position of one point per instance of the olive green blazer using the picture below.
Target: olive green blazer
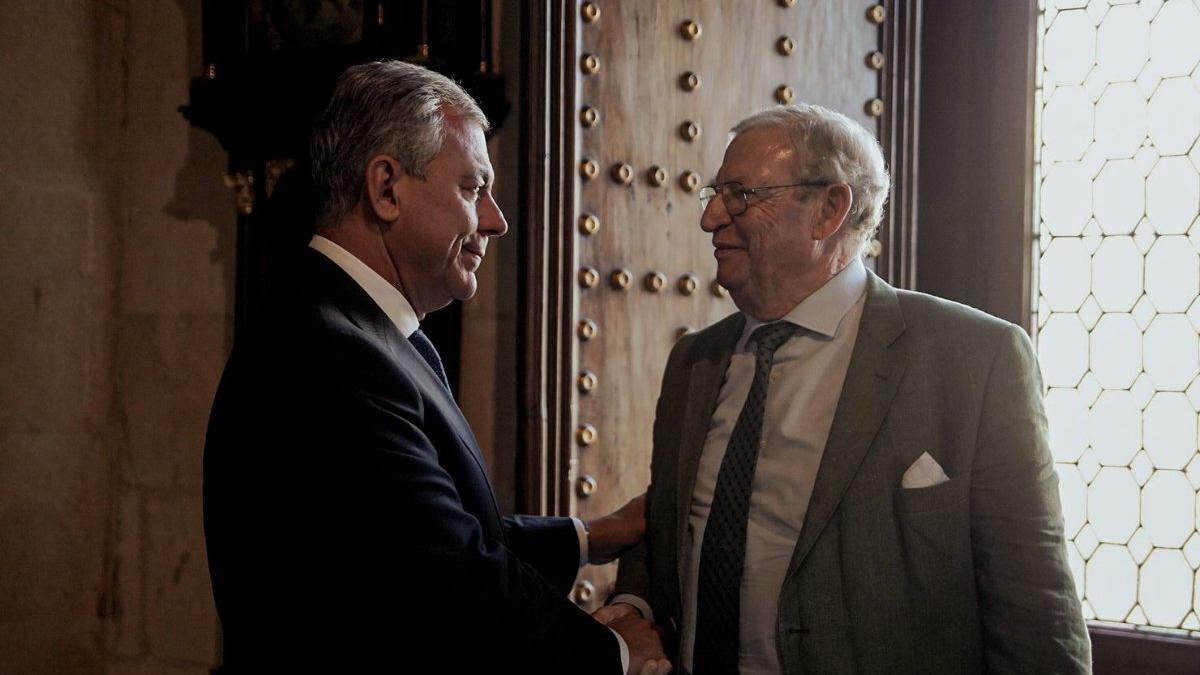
(969, 575)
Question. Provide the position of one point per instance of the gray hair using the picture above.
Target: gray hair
(385, 107)
(835, 148)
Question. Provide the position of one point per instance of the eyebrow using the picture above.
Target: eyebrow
(478, 175)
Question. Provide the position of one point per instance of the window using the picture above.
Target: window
(1117, 115)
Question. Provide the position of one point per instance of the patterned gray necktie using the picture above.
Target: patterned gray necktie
(428, 352)
(723, 551)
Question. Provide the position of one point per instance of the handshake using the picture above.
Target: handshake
(608, 537)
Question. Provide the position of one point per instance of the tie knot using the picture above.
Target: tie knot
(771, 336)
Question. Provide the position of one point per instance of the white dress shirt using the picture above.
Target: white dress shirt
(388, 297)
(806, 383)
(400, 312)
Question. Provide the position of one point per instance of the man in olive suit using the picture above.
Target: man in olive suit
(846, 477)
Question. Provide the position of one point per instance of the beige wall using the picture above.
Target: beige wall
(114, 313)
(115, 319)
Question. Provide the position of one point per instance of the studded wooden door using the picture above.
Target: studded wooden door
(649, 91)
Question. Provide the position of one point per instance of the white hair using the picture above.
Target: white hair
(835, 148)
(384, 107)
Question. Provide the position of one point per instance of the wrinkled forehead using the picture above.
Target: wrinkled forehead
(758, 152)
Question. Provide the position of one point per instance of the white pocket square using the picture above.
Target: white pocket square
(925, 472)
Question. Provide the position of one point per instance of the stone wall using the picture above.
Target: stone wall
(116, 283)
(114, 325)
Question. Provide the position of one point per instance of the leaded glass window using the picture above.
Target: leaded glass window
(1118, 321)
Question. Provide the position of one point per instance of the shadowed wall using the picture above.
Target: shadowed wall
(114, 324)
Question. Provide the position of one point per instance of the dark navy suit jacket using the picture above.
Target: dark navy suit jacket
(350, 522)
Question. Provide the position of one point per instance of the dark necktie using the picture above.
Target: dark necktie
(723, 551)
(428, 352)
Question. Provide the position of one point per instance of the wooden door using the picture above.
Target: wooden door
(637, 102)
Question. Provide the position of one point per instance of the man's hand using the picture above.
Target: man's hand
(646, 655)
(609, 613)
(616, 532)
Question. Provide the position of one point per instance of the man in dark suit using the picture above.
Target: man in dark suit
(847, 477)
(349, 518)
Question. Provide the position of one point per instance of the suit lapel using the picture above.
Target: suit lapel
(432, 388)
(435, 394)
(361, 309)
(704, 385)
(874, 373)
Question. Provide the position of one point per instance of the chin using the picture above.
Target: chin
(464, 288)
(729, 279)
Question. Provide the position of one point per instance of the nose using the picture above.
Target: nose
(715, 216)
(491, 219)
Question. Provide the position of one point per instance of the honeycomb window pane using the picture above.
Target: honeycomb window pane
(1118, 196)
(1067, 124)
(1162, 576)
(1122, 43)
(1172, 274)
(1175, 115)
(1066, 274)
(1172, 195)
(1066, 198)
(1118, 170)
(1113, 507)
(1116, 355)
(1170, 352)
(1174, 48)
(1167, 509)
(1063, 350)
(1115, 428)
(1070, 47)
(1169, 431)
(1117, 274)
(1111, 582)
(1121, 118)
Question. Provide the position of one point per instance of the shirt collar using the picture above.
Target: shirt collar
(387, 296)
(822, 312)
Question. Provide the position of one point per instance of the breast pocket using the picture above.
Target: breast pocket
(935, 497)
(934, 525)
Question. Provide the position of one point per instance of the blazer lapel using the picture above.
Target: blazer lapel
(432, 388)
(436, 395)
(358, 305)
(704, 384)
(876, 366)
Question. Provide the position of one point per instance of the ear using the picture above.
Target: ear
(831, 212)
(382, 188)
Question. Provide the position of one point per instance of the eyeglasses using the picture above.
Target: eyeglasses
(733, 194)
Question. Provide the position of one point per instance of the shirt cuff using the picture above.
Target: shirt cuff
(631, 599)
(581, 532)
(624, 652)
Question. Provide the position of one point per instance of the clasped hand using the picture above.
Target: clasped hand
(608, 537)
